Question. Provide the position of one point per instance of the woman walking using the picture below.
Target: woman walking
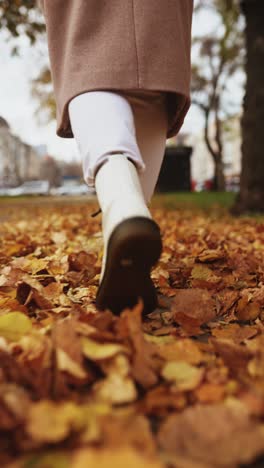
(121, 75)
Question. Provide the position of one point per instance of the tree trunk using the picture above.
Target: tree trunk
(251, 196)
(219, 177)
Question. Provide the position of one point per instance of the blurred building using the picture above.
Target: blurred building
(202, 166)
(18, 160)
(51, 171)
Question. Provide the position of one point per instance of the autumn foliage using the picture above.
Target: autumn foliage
(182, 387)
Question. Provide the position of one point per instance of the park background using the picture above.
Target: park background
(182, 387)
(30, 149)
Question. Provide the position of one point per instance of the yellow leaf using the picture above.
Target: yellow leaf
(159, 340)
(50, 460)
(202, 272)
(14, 325)
(184, 350)
(49, 422)
(65, 363)
(59, 237)
(185, 376)
(97, 351)
(35, 264)
(109, 458)
(118, 387)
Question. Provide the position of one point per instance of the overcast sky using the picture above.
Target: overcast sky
(17, 105)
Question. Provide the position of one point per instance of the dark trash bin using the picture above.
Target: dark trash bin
(175, 174)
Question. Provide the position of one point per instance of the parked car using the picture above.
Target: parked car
(67, 189)
(31, 187)
(4, 191)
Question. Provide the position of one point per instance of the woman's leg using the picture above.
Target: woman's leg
(104, 126)
(151, 125)
(134, 123)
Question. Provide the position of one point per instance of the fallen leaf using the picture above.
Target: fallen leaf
(181, 350)
(98, 351)
(235, 332)
(145, 366)
(210, 393)
(247, 310)
(236, 357)
(161, 400)
(182, 374)
(203, 276)
(46, 460)
(216, 435)
(14, 325)
(65, 363)
(49, 422)
(192, 308)
(208, 256)
(118, 387)
(109, 458)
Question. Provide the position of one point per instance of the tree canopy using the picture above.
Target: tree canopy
(21, 17)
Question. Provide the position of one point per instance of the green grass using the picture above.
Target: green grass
(218, 203)
(192, 200)
(188, 200)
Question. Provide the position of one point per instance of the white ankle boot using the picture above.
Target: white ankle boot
(132, 243)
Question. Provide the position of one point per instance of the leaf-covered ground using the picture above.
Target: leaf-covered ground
(183, 387)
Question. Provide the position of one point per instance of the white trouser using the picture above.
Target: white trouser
(132, 122)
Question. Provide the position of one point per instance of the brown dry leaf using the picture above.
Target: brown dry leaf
(69, 358)
(247, 310)
(210, 393)
(236, 357)
(53, 290)
(161, 400)
(216, 435)
(235, 332)
(208, 256)
(210, 276)
(144, 367)
(176, 461)
(14, 406)
(126, 427)
(192, 308)
(253, 402)
(217, 375)
(81, 261)
(181, 350)
(33, 355)
(226, 300)
(31, 290)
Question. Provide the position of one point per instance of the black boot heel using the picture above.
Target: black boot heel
(133, 249)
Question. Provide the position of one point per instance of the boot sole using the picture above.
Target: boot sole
(134, 248)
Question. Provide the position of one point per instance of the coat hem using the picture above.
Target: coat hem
(178, 105)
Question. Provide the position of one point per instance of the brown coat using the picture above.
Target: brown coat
(119, 45)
